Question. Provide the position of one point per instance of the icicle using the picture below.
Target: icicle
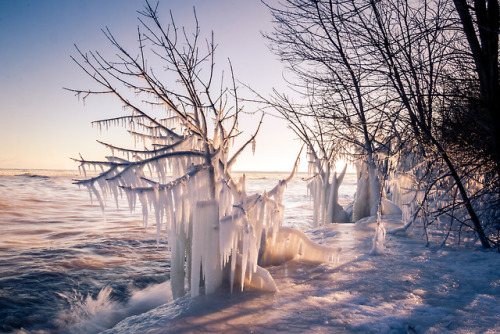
(158, 209)
(113, 185)
(205, 248)
(317, 190)
(260, 223)
(374, 190)
(332, 200)
(225, 202)
(261, 278)
(94, 191)
(177, 242)
(144, 204)
(378, 245)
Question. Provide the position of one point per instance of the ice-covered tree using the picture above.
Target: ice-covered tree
(417, 43)
(394, 82)
(184, 121)
(322, 154)
(317, 40)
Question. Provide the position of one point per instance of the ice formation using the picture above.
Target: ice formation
(429, 198)
(325, 194)
(261, 279)
(368, 191)
(180, 175)
(389, 208)
(213, 226)
(378, 241)
(290, 244)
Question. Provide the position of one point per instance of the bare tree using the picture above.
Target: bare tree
(383, 75)
(319, 45)
(481, 26)
(183, 171)
(412, 43)
(322, 154)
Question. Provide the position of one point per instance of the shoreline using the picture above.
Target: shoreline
(76, 172)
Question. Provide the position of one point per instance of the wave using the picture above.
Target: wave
(93, 315)
(33, 176)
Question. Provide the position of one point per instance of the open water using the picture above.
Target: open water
(66, 267)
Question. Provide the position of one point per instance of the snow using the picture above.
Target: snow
(410, 288)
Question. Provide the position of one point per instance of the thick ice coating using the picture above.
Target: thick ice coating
(291, 244)
(179, 172)
(215, 229)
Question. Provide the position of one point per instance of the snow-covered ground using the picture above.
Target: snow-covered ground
(410, 288)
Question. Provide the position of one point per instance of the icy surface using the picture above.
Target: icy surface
(409, 289)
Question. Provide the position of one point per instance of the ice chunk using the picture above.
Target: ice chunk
(378, 245)
(260, 279)
(293, 244)
(389, 208)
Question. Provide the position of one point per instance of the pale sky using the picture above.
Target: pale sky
(42, 125)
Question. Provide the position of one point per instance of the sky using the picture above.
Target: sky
(42, 125)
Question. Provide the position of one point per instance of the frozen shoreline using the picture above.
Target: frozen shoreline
(55, 242)
(410, 288)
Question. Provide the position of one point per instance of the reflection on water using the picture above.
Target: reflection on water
(58, 253)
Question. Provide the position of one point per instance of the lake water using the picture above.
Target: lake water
(63, 264)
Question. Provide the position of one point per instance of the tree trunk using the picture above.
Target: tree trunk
(484, 49)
